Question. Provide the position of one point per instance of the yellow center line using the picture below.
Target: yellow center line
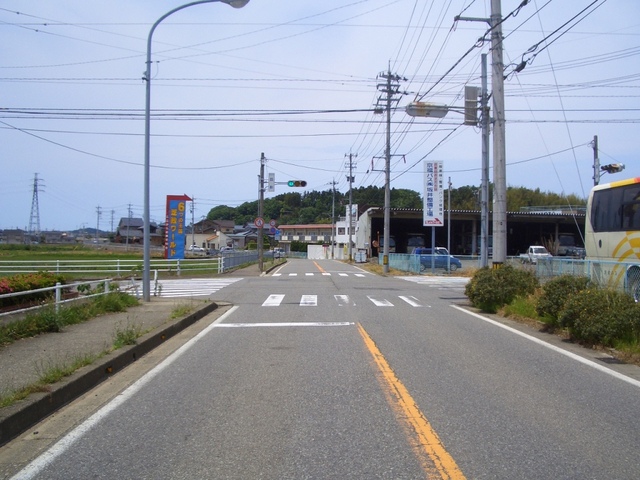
(319, 267)
(425, 440)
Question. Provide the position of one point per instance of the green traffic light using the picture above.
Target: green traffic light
(297, 183)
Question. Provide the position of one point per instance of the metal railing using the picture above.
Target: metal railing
(57, 300)
(115, 267)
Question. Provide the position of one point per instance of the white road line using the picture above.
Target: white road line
(310, 274)
(360, 275)
(413, 301)
(326, 273)
(40, 463)
(293, 274)
(309, 301)
(343, 274)
(380, 303)
(285, 324)
(585, 361)
(276, 275)
(343, 300)
(273, 301)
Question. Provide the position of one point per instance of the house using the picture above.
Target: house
(131, 230)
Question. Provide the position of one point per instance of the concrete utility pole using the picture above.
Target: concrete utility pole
(350, 216)
(193, 225)
(391, 89)
(499, 147)
(333, 218)
(596, 161)
(484, 193)
(99, 212)
(260, 209)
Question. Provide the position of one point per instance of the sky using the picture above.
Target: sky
(297, 81)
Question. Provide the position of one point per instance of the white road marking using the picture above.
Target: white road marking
(413, 301)
(585, 361)
(40, 463)
(293, 274)
(343, 274)
(380, 303)
(309, 274)
(343, 300)
(273, 301)
(285, 324)
(309, 301)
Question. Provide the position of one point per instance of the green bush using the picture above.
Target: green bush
(28, 281)
(556, 292)
(599, 316)
(490, 289)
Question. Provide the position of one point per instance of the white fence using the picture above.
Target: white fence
(115, 267)
(58, 290)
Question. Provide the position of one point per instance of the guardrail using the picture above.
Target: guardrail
(58, 299)
(115, 267)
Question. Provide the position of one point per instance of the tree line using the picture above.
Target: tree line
(316, 207)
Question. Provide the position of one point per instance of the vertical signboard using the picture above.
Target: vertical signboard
(433, 208)
(174, 233)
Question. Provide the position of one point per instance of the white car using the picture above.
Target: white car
(196, 248)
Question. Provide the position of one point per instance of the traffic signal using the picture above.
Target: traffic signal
(297, 183)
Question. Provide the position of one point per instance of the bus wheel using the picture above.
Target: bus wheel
(633, 283)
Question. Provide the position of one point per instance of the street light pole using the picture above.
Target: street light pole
(146, 290)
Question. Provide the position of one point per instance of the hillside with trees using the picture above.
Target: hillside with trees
(315, 207)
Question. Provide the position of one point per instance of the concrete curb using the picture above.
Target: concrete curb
(20, 417)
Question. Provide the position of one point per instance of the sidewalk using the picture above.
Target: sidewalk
(23, 362)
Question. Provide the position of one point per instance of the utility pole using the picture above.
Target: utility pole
(351, 179)
(484, 190)
(34, 218)
(260, 209)
(193, 226)
(596, 161)
(391, 89)
(99, 214)
(333, 219)
(499, 148)
(128, 226)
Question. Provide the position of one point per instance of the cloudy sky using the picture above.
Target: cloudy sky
(297, 81)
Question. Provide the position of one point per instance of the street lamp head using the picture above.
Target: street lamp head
(236, 3)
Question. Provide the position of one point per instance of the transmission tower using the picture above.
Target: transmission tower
(34, 219)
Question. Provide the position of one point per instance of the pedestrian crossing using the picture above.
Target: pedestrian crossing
(187, 287)
(438, 282)
(323, 274)
(277, 300)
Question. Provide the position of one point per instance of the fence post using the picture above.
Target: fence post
(57, 266)
(106, 286)
(178, 268)
(118, 266)
(58, 296)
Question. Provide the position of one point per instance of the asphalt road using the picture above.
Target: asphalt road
(324, 371)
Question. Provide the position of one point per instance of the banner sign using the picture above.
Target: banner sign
(174, 233)
(433, 209)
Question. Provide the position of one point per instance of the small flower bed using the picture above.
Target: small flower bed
(28, 281)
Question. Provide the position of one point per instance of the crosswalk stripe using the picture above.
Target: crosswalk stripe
(309, 301)
(343, 300)
(188, 287)
(413, 301)
(380, 303)
(273, 301)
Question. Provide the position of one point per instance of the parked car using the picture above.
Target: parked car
(278, 252)
(441, 259)
(227, 250)
(534, 253)
(196, 248)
